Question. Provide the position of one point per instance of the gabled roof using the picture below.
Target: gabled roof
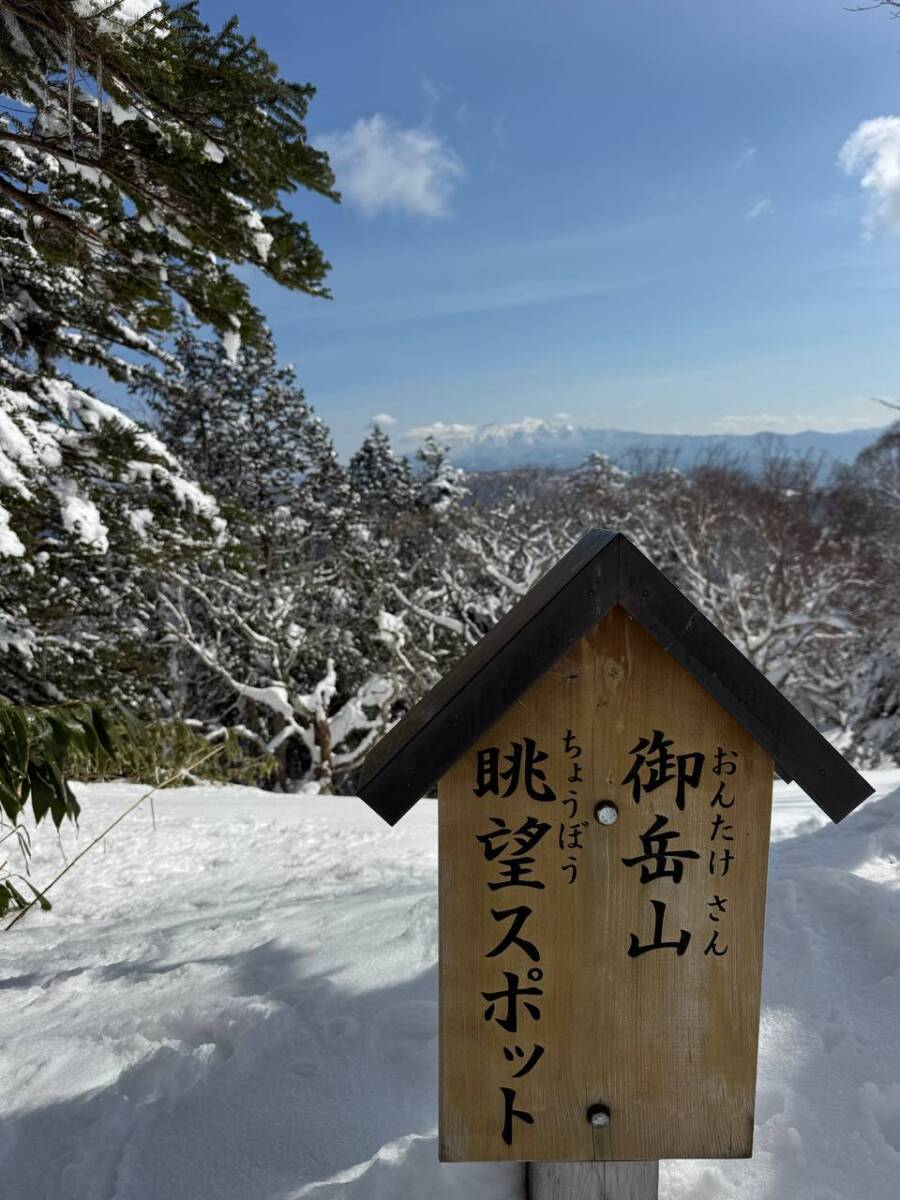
(603, 570)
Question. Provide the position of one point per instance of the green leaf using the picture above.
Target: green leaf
(14, 735)
(24, 839)
(20, 900)
(105, 732)
(10, 799)
(84, 715)
(42, 789)
(39, 896)
(63, 797)
(65, 733)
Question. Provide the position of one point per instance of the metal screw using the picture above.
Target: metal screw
(598, 1116)
(606, 812)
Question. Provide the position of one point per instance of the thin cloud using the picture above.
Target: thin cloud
(383, 419)
(761, 208)
(432, 94)
(745, 156)
(795, 422)
(872, 153)
(381, 167)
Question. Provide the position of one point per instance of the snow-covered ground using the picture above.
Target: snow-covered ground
(242, 1005)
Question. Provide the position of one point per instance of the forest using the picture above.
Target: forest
(217, 569)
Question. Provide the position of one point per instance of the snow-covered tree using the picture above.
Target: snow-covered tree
(276, 633)
(142, 158)
(379, 475)
(438, 485)
(89, 501)
(244, 428)
(313, 651)
(312, 696)
(757, 555)
(869, 501)
(873, 719)
(879, 465)
(149, 156)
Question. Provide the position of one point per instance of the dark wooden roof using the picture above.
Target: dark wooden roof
(603, 570)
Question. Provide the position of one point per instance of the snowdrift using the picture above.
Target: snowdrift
(242, 1005)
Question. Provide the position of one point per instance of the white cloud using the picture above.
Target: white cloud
(872, 152)
(453, 434)
(383, 419)
(381, 167)
(761, 208)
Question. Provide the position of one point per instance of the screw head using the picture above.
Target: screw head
(598, 1116)
(606, 812)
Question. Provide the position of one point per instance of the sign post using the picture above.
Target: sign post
(604, 762)
(592, 1181)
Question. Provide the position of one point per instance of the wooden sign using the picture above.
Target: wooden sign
(607, 966)
(604, 760)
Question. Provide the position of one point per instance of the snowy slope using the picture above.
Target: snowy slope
(241, 1005)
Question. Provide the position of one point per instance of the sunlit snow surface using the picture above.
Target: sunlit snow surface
(242, 1005)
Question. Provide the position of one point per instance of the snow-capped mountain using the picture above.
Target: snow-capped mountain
(560, 444)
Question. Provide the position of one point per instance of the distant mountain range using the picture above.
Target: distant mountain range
(534, 442)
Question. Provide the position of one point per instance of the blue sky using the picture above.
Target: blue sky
(632, 213)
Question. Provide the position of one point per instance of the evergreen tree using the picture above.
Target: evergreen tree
(92, 503)
(243, 426)
(148, 156)
(439, 486)
(383, 479)
(142, 158)
(275, 633)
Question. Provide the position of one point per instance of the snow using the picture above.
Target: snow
(81, 517)
(120, 113)
(11, 545)
(125, 12)
(31, 453)
(186, 492)
(16, 634)
(15, 447)
(243, 1003)
(231, 344)
(262, 239)
(213, 152)
(140, 519)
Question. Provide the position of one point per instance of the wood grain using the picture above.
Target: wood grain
(592, 1181)
(666, 1041)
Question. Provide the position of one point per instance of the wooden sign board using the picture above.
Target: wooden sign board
(601, 970)
(600, 978)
